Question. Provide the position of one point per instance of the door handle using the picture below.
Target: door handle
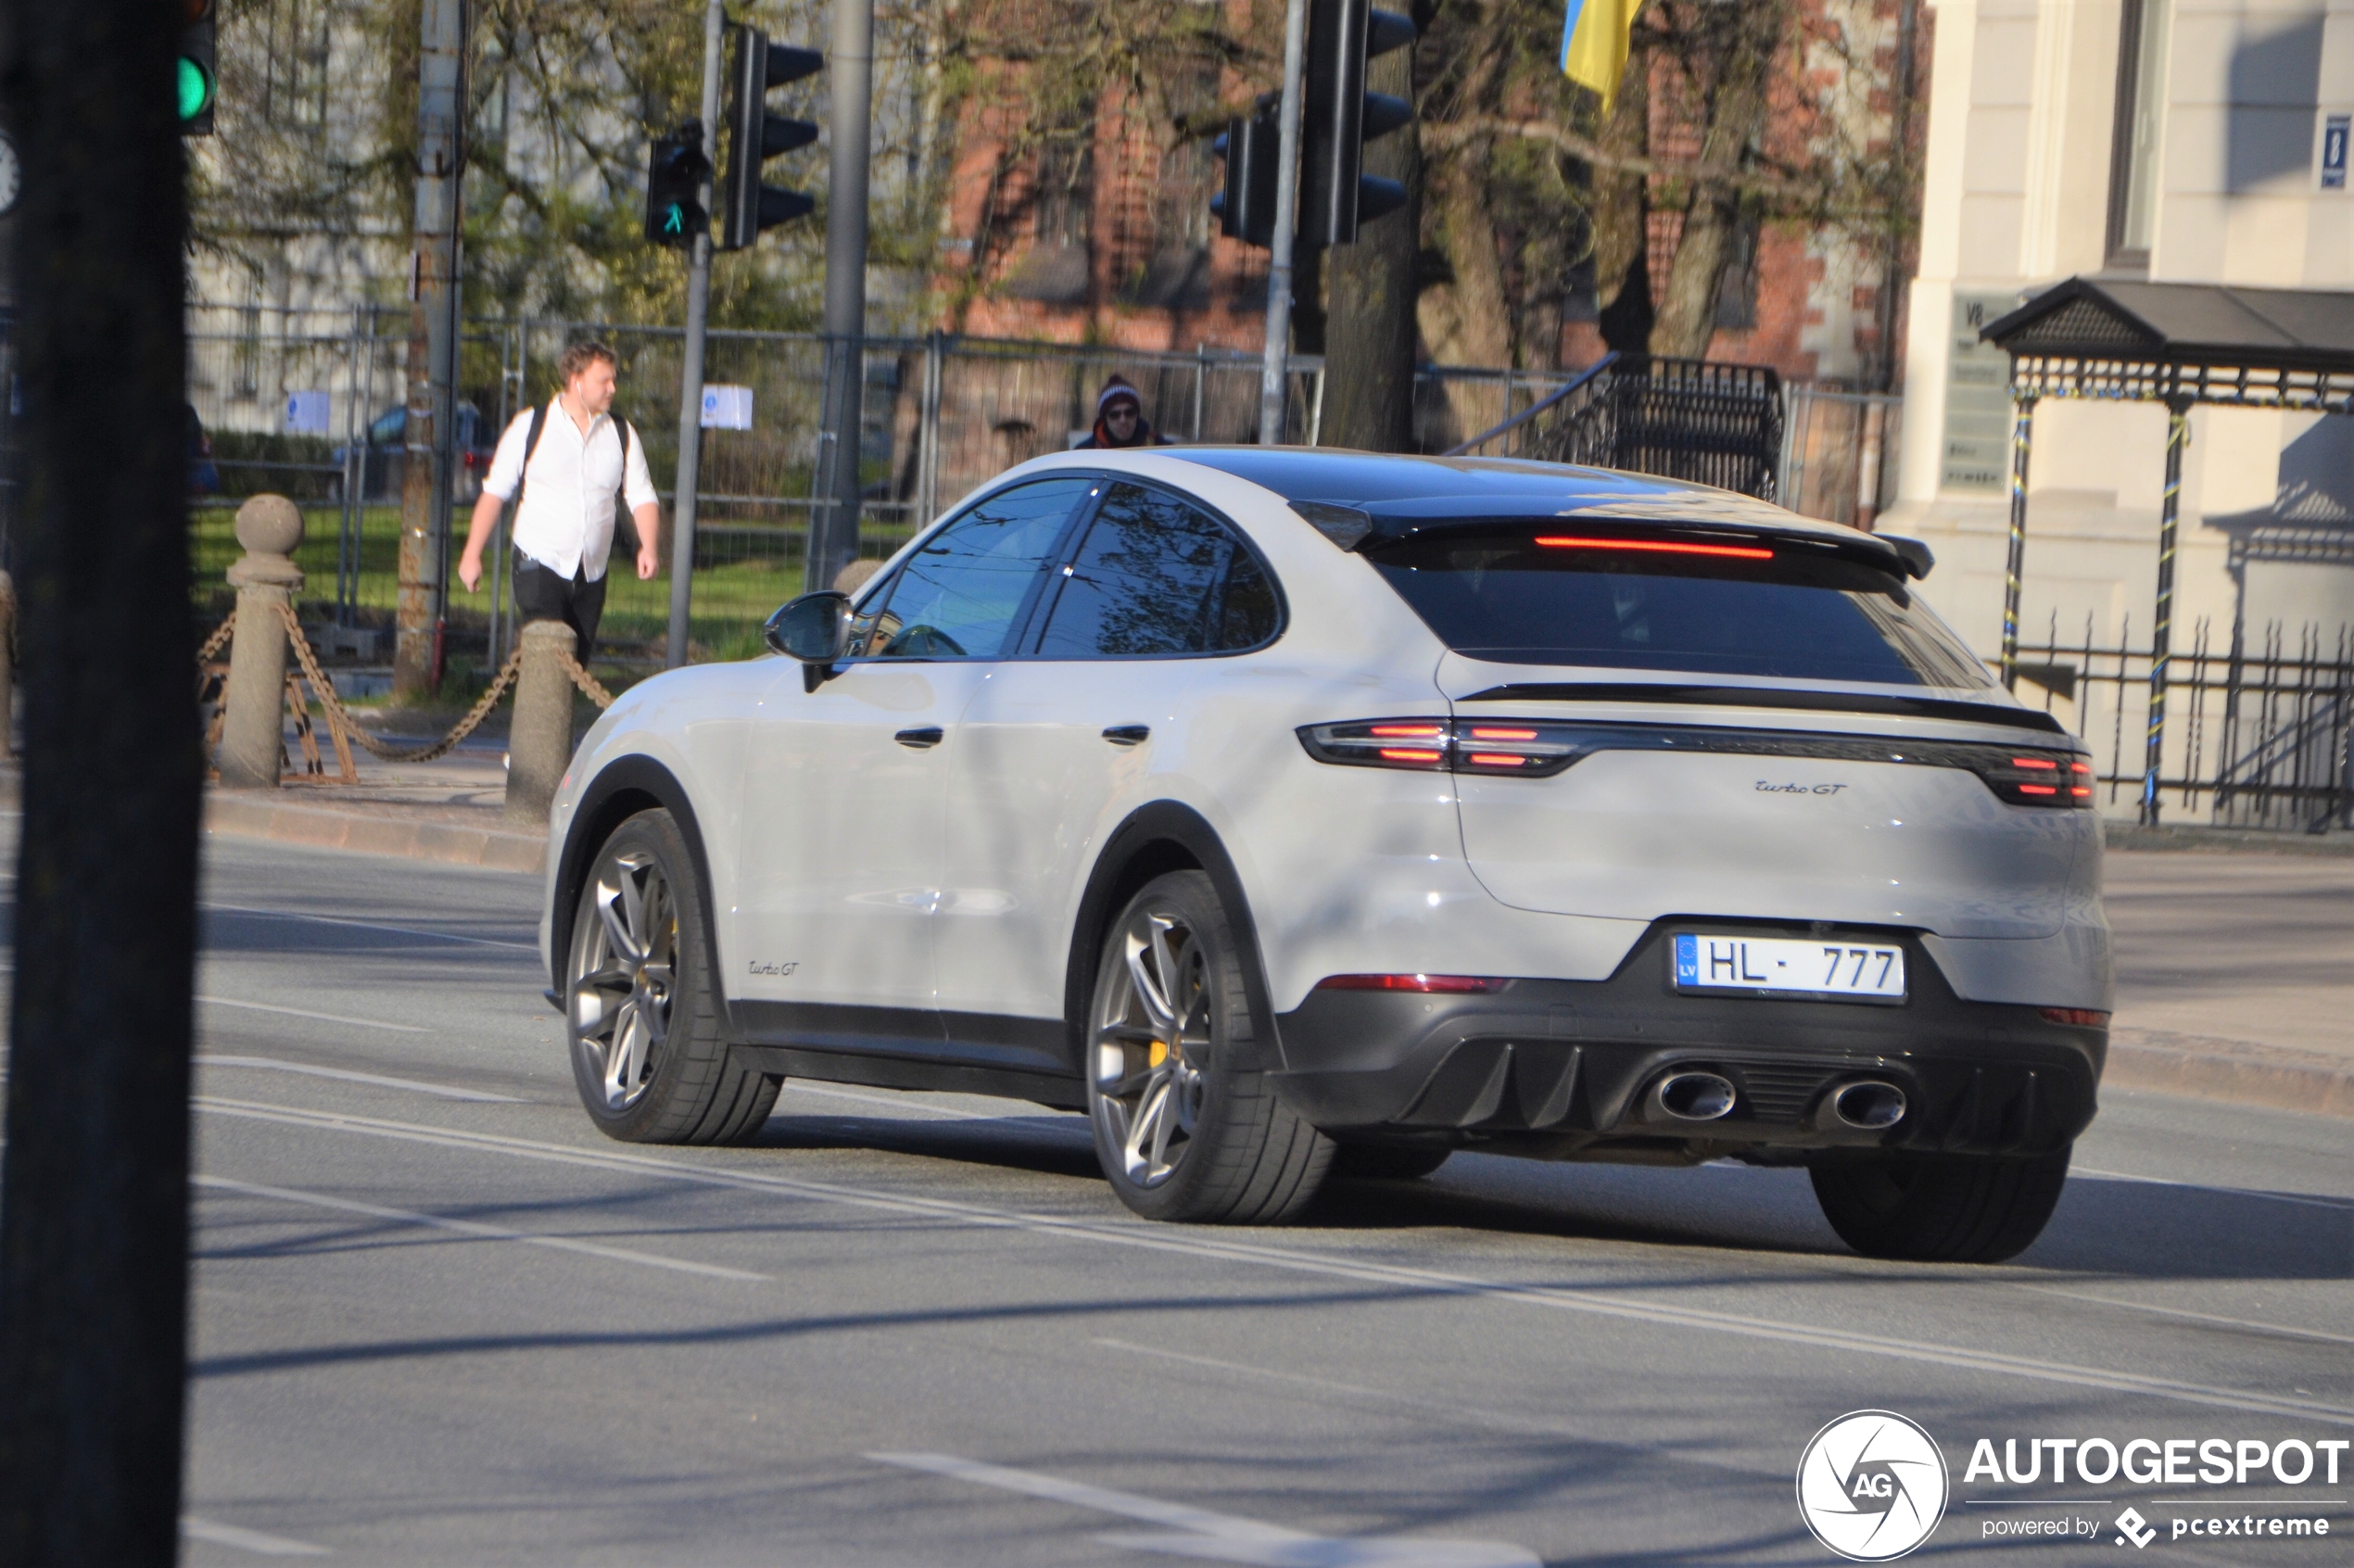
(922, 740)
(1128, 734)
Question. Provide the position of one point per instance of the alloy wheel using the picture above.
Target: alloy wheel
(1151, 1046)
(623, 976)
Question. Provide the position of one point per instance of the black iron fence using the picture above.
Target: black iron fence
(1681, 419)
(2257, 729)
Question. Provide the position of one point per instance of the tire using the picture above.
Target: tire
(1940, 1209)
(649, 1056)
(1387, 1162)
(1184, 1132)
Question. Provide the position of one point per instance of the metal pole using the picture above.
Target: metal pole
(1278, 352)
(2022, 434)
(833, 519)
(2177, 437)
(928, 487)
(690, 470)
(1201, 374)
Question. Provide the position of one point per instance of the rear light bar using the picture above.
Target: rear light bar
(1541, 748)
(1412, 982)
(2083, 1018)
(1656, 546)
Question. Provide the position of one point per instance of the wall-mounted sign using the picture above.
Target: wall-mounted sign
(306, 413)
(2336, 131)
(727, 407)
(1977, 458)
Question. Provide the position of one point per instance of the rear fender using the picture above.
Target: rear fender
(1161, 837)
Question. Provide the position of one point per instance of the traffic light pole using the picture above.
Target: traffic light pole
(1277, 361)
(690, 470)
(833, 514)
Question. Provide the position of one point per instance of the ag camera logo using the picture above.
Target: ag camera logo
(1871, 1486)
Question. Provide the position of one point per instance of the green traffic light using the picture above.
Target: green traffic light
(195, 89)
(674, 220)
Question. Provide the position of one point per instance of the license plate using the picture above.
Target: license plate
(1845, 971)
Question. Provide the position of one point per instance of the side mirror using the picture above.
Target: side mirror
(813, 628)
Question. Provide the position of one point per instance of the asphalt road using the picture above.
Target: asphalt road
(439, 1320)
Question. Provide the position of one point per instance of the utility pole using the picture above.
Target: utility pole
(94, 1179)
(690, 473)
(433, 349)
(1278, 355)
(833, 512)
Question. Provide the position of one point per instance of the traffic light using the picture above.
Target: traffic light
(674, 172)
(755, 66)
(196, 84)
(1338, 116)
(1245, 208)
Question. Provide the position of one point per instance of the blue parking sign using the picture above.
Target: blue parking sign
(2335, 133)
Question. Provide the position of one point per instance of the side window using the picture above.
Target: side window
(958, 597)
(1156, 575)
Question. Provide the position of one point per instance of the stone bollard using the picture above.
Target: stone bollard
(253, 732)
(539, 740)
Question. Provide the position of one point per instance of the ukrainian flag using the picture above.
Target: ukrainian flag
(1595, 38)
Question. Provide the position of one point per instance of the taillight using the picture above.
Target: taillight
(2039, 778)
(1412, 982)
(1523, 748)
(1530, 751)
(2083, 1018)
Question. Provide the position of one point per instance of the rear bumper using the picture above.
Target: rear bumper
(1566, 1067)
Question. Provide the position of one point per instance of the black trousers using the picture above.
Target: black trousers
(540, 595)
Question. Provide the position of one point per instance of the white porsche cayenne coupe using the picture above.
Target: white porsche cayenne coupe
(1296, 812)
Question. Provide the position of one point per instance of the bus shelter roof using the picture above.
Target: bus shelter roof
(2182, 343)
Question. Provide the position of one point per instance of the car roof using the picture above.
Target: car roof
(1405, 488)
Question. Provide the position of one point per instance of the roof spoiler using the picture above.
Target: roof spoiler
(1918, 558)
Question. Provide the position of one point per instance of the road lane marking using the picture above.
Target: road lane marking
(2196, 1317)
(255, 1541)
(306, 1013)
(2343, 1206)
(1170, 1239)
(473, 1228)
(271, 1064)
(368, 926)
(1219, 1537)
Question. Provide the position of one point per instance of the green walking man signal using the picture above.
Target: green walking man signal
(674, 174)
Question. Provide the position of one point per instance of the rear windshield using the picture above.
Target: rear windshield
(1705, 603)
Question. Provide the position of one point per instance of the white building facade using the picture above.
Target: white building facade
(2175, 141)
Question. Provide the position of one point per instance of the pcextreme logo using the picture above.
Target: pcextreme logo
(1871, 1486)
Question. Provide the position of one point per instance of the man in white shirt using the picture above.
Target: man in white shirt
(583, 461)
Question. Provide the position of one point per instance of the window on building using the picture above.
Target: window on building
(1066, 199)
(2141, 110)
(1736, 285)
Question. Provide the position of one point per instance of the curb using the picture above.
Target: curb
(2226, 840)
(262, 817)
(2225, 1070)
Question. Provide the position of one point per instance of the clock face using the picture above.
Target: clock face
(11, 176)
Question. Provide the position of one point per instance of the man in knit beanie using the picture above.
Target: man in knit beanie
(1120, 419)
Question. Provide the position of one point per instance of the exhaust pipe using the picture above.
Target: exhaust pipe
(1868, 1104)
(1694, 1096)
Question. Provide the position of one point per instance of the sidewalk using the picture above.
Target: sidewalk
(2235, 964)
